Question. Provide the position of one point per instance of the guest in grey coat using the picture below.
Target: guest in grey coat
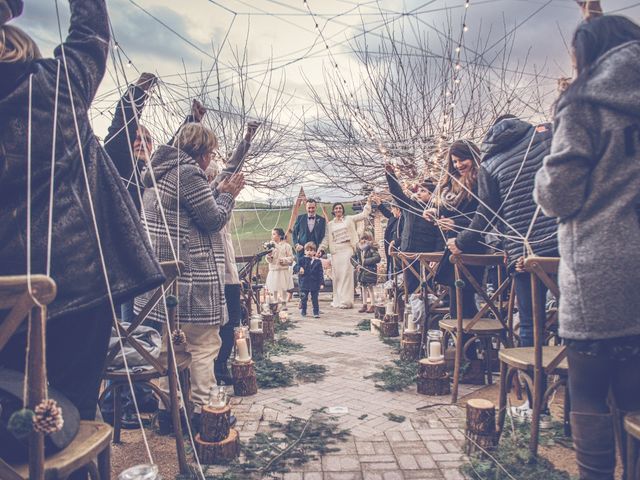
(184, 217)
(591, 183)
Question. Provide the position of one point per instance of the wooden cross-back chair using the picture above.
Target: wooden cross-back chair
(482, 326)
(534, 363)
(250, 292)
(92, 443)
(159, 367)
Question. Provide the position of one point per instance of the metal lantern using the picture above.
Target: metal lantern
(218, 397)
(141, 472)
(434, 345)
(410, 322)
(243, 344)
(255, 323)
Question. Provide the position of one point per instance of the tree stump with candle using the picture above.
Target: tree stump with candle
(410, 345)
(224, 451)
(389, 326)
(268, 327)
(379, 311)
(245, 382)
(481, 426)
(433, 378)
(257, 343)
(214, 423)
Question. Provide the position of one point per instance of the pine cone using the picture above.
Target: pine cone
(178, 337)
(48, 417)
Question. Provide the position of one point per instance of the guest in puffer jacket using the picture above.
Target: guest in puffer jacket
(590, 182)
(512, 153)
(98, 246)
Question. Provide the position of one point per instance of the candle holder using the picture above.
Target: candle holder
(410, 323)
(255, 323)
(433, 346)
(390, 307)
(265, 309)
(243, 344)
(218, 397)
(141, 472)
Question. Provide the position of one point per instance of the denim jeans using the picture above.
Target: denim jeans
(304, 296)
(234, 310)
(525, 306)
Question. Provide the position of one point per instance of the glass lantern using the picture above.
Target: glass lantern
(141, 472)
(378, 295)
(218, 397)
(434, 345)
(410, 322)
(390, 307)
(243, 344)
(255, 323)
(266, 309)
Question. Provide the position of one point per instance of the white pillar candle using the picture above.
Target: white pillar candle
(411, 325)
(242, 350)
(435, 350)
(254, 324)
(389, 309)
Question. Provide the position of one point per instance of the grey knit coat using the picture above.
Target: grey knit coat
(591, 183)
(194, 219)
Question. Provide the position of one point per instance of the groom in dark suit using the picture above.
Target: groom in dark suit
(309, 227)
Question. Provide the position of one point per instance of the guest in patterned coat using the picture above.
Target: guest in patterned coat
(195, 214)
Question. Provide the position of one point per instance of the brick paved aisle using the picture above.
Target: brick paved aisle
(426, 445)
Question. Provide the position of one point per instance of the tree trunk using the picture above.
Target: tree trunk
(218, 452)
(214, 423)
(268, 327)
(481, 426)
(245, 382)
(410, 346)
(389, 326)
(433, 378)
(257, 343)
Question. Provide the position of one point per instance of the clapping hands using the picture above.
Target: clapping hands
(232, 185)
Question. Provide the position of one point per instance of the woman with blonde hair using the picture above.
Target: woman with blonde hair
(195, 214)
(88, 237)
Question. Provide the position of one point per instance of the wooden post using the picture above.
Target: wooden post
(268, 327)
(245, 382)
(481, 426)
(215, 423)
(389, 326)
(218, 452)
(257, 343)
(36, 387)
(433, 378)
(410, 346)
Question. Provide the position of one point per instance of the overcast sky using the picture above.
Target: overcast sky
(171, 37)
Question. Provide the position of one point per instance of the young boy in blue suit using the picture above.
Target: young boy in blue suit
(310, 277)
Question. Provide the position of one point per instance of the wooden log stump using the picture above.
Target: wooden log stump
(268, 327)
(410, 346)
(433, 378)
(214, 423)
(389, 326)
(257, 343)
(473, 372)
(218, 452)
(245, 382)
(481, 426)
(379, 311)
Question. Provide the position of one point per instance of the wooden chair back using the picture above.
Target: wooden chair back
(171, 272)
(493, 303)
(28, 296)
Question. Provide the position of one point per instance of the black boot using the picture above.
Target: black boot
(222, 374)
(594, 443)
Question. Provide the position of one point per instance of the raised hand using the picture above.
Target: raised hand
(198, 111)
(146, 81)
(252, 127)
(390, 168)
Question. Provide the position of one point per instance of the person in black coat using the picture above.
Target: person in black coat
(309, 227)
(310, 279)
(392, 232)
(455, 205)
(90, 202)
(418, 234)
(512, 153)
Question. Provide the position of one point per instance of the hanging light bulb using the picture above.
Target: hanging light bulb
(466, 4)
(458, 66)
(129, 64)
(465, 28)
(458, 49)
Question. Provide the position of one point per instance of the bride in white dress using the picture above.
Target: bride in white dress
(341, 238)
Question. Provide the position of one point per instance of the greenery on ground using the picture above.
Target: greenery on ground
(395, 377)
(511, 459)
(294, 443)
(364, 325)
(395, 418)
(339, 334)
(275, 374)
